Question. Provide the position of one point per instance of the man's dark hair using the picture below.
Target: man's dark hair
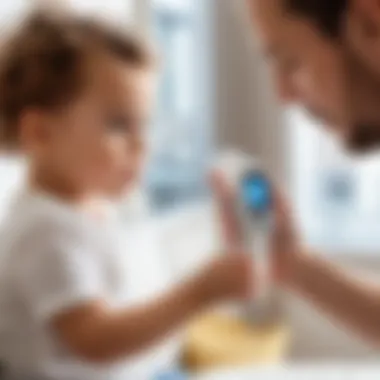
(327, 15)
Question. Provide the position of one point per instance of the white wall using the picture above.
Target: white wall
(247, 115)
(118, 9)
(317, 337)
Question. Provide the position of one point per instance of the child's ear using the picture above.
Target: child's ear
(34, 129)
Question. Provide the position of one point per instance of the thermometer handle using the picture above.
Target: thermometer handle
(263, 306)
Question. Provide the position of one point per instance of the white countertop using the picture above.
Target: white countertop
(343, 371)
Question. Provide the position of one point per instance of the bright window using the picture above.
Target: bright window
(181, 137)
(11, 170)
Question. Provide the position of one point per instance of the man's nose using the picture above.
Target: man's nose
(286, 90)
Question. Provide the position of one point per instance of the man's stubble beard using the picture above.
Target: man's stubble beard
(363, 106)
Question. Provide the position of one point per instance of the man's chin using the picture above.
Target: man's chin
(359, 139)
(364, 139)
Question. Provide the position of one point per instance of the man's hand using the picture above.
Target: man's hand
(284, 243)
(350, 301)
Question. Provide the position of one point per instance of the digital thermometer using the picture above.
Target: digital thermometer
(256, 195)
(255, 203)
(254, 206)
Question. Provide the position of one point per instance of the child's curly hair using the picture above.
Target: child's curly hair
(42, 63)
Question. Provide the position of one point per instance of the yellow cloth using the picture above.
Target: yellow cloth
(217, 340)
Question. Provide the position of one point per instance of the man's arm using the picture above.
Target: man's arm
(342, 296)
(346, 298)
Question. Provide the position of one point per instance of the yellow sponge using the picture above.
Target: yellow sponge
(217, 340)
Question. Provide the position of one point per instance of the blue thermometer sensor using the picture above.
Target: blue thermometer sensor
(256, 193)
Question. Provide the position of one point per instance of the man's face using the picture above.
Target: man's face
(336, 80)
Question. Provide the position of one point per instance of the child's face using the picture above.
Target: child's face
(97, 144)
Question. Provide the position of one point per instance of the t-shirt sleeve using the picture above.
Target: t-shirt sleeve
(59, 271)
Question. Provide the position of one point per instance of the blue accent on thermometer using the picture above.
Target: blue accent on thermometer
(256, 193)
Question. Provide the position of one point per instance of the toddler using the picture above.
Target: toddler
(75, 99)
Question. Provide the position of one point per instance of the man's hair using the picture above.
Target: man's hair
(42, 63)
(327, 15)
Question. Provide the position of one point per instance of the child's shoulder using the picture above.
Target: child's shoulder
(33, 221)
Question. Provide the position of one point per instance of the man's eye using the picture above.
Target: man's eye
(291, 65)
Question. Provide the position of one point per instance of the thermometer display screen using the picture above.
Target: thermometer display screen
(256, 192)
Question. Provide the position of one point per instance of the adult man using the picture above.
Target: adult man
(325, 55)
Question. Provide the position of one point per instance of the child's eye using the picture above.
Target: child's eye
(118, 124)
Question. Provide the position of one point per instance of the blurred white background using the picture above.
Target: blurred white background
(215, 93)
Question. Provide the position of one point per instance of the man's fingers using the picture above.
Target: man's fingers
(220, 186)
(230, 224)
(225, 198)
(285, 228)
(281, 209)
(281, 205)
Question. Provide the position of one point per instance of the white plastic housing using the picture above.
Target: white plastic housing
(256, 235)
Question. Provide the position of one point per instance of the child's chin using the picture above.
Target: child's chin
(120, 192)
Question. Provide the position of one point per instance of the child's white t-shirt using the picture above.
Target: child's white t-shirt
(53, 258)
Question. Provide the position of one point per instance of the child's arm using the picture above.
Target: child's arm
(63, 285)
(97, 333)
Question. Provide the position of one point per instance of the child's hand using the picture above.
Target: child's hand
(229, 277)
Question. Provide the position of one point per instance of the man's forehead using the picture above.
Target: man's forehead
(267, 7)
(274, 25)
(269, 20)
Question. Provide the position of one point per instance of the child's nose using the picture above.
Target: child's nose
(136, 144)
